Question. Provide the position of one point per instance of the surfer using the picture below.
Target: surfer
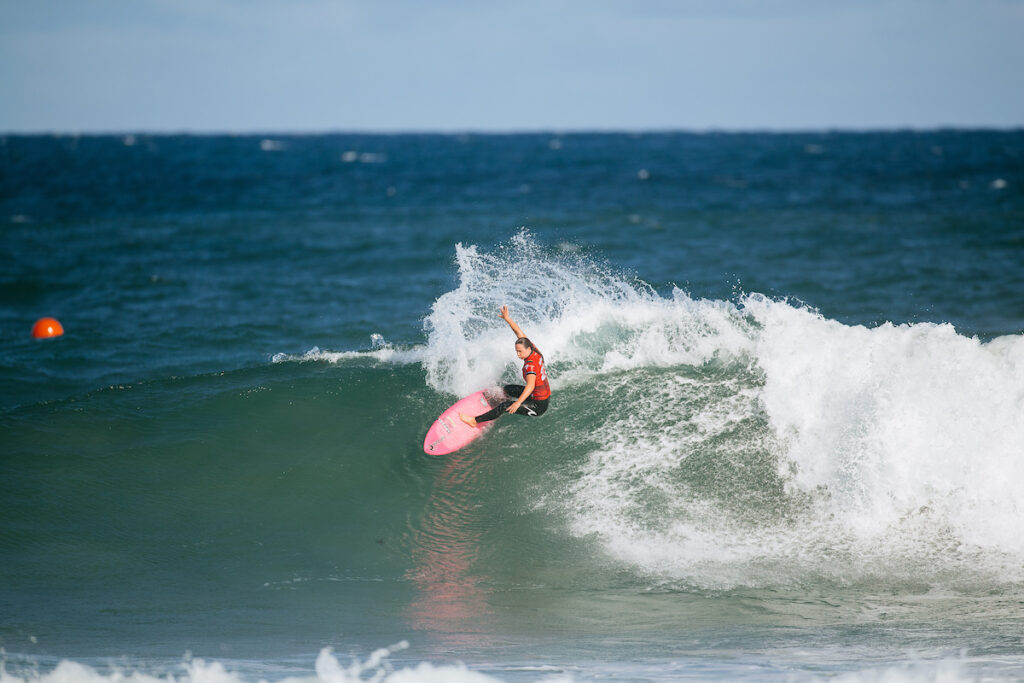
(533, 397)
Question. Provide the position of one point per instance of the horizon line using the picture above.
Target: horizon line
(553, 130)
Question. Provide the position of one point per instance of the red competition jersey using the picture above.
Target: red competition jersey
(534, 365)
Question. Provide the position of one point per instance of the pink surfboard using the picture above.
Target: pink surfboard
(448, 433)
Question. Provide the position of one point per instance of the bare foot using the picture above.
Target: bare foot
(468, 419)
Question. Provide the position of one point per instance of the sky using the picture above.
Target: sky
(87, 66)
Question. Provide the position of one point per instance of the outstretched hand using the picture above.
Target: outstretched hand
(511, 323)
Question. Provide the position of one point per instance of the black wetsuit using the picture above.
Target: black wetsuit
(530, 407)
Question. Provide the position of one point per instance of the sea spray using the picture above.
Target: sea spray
(466, 347)
(585, 316)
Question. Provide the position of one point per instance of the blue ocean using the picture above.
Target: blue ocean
(785, 442)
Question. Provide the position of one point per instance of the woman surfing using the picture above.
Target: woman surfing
(533, 397)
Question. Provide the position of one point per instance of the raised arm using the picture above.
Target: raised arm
(511, 323)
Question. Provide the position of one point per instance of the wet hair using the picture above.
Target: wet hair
(527, 343)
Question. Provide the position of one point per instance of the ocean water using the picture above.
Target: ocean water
(786, 440)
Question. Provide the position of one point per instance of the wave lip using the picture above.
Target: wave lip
(584, 316)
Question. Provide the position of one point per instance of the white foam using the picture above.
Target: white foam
(903, 444)
(946, 671)
(352, 156)
(381, 351)
(899, 418)
(377, 667)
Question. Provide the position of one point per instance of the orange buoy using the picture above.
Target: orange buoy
(46, 328)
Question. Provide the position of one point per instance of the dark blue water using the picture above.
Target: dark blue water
(785, 438)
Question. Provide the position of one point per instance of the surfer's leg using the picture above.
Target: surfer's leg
(529, 407)
(532, 408)
(512, 392)
(493, 413)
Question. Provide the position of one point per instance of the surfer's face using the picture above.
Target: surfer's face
(523, 351)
